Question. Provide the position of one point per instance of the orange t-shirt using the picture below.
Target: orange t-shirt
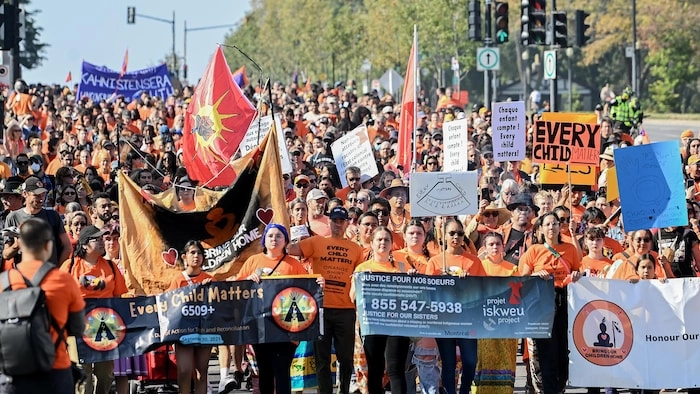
(417, 261)
(62, 297)
(627, 267)
(373, 265)
(96, 281)
(456, 264)
(287, 266)
(596, 268)
(539, 258)
(180, 280)
(504, 268)
(335, 260)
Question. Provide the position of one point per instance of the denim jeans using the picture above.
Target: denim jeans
(448, 353)
(339, 331)
(426, 362)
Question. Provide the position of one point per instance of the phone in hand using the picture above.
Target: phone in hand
(689, 183)
(486, 194)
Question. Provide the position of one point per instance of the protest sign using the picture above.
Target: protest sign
(278, 309)
(650, 182)
(453, 307)
(443, 193)
(613, 191)
(259, 128)
(354, 149)
(620, 331)
(556, 174)
(566, 138)
(101, 83)
(455, 136)
(509, 130)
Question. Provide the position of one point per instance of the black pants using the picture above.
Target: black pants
(553, 353)
(386, 350)
(58, 381)
(274, 361)
(339, 331)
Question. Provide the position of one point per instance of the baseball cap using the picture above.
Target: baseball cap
(302, 178)
(88, 233)
(315, 194)
(339, 213)
(694, 159)
(33, 185)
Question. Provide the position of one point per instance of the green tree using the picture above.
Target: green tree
(34, 51)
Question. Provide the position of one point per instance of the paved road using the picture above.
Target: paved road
(664, 130)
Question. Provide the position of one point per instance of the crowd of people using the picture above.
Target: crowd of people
(60, 156)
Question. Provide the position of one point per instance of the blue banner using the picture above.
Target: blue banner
(650, 180)
(452, 307)
(279, 309)
(100, 83)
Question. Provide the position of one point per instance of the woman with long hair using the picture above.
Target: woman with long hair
(456, 260)
(274, 359)
(552, 258)
(384, 352)
(97, 278)
(192, 358)
(67, 194)
(75, 221)
(495, 366)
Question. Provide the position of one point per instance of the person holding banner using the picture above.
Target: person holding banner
(274, 359)
(456, 261)
(552, 258)
(384, 350)
(495, 365)
(625, 264)
(191, 359)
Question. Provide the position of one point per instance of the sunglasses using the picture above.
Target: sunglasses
(76, 224)
(642, 240)
(69, 193)
(564, 219)
(382, 212)
(22, 163)
(492, 214)
(488, 156)
(453, 233)
(357, 200)
(353, 179)
(432, 163)
(302, 185)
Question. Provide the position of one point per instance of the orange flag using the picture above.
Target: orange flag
(69, 77)
(408, 112)
(230, 223)
(215, 123)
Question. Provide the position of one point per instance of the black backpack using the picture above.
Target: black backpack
(26, 346)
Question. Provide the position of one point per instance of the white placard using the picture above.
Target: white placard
(251, 139)
(299, 232)
(354, 149)
(650, 338)
(455, 135)
(443, 193)
(509, 130)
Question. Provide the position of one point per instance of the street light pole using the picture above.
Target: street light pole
(175, 67)
(635, 87)
(569, 55)
(172, 22)
(553, 87)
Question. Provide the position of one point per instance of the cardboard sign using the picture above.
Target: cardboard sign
(456, 135)
(650, 179)
(258, 130)
(443, 193)
(566, 142)
(556, 174)
(509, 131)
(354, 149)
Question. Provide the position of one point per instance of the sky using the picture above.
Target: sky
(97, 32)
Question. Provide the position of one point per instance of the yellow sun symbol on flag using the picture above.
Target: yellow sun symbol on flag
(208, 129)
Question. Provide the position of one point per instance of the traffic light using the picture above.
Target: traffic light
(581, 27)
(501, 19)
(474, 20)
(10, 26)
(130, 15)
(533, 19)
(560, 28)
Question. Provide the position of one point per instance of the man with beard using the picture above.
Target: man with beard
(34, 194)
(318, 221)
(517, 234)
(101, 210)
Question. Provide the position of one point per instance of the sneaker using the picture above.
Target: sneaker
(238, 377)
(227, 385)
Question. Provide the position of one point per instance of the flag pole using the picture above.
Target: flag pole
(416, 81)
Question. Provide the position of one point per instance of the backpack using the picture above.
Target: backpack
(26, 346)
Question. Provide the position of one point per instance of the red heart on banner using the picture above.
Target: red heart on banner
(170, 257)
(265, 215)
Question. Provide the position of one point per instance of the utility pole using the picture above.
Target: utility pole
(553, 88)
(487, 43)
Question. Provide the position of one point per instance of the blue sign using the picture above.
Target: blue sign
(650, 180)
(453, 307)
(100, 83)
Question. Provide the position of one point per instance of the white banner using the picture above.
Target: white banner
(253, 137)
(354, 149)
(455, 135)
(443, 193)
(509, 130)
(640, 336)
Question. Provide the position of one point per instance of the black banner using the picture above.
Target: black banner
(232, 313)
